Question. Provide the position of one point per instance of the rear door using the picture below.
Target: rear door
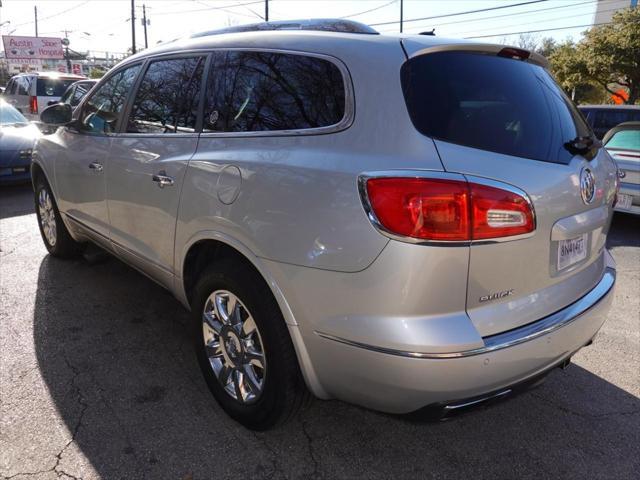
(506, 120)
(148, 160)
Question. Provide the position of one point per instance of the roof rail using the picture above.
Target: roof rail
(317, 24)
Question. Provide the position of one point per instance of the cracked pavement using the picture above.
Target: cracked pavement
(98, 381)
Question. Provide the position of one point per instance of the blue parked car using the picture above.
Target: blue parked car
(17, 138)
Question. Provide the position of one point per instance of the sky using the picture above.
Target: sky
(104, 25)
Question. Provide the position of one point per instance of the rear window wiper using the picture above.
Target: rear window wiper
(582, 144)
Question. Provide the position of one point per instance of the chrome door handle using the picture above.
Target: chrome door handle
(96, 167)
(162, 179)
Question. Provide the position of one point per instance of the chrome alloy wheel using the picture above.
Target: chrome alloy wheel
(47, 216)
(233, 346)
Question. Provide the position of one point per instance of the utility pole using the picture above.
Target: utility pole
(35, 13)
(266, 10)
(133, 27)
(401, 15)
(144, 22)
(65, 42)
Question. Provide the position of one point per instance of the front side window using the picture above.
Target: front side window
(268, 91)
(168, 98)
(491, 103)
(101, 112)
(79, 92)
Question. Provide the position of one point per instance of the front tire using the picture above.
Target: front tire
(54, 232)
(244, 348)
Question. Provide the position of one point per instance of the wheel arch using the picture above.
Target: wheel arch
(205, 247)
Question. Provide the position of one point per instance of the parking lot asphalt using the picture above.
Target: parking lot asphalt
(98, 380)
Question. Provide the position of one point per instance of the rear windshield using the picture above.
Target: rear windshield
(625, 140)
(491, 103)
(52, 87)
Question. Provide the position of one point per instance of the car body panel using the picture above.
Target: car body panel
(81, 190)
(142, 214)
(500, 266)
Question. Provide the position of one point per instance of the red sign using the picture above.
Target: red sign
(33, 47)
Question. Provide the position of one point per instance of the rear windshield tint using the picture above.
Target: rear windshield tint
(491, 103)
(625, 140)
(52, 87)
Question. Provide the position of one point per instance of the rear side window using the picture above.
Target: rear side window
(23, 86)
(52, 87)
(267, 91)
(168, 97)
(491, 103)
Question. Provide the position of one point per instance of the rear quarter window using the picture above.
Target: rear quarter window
(491, 103)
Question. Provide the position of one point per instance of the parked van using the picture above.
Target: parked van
(30, 93)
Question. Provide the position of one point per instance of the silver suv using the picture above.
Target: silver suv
(411, 224)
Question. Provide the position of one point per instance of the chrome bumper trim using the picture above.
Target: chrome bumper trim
(513, 337)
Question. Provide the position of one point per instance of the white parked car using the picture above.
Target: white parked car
(30, 93)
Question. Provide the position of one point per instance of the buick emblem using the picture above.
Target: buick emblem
(587, 186)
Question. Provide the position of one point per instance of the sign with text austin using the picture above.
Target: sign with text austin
(33, 47)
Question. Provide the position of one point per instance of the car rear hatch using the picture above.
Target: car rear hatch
(495, 113)
(50, 89)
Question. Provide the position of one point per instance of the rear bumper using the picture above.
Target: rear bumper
(400, 381)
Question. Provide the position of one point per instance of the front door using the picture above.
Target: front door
(80, 169)
(148, 160)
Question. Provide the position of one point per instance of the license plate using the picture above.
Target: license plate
(572, 251)
(19, 169)
(623, 202)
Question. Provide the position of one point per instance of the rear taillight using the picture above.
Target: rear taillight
(440, 209)
(33, 104)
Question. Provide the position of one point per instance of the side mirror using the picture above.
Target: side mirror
(58, 114)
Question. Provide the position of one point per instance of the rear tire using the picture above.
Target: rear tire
(54, 232)
(273, 388)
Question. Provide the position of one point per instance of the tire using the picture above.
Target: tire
(54, 232)
(282, 389)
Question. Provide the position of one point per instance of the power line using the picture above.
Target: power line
(537, 21)
(460, 13)
(233, 5)
(506, 34)
(370, 10)
(42, 19)
(491, 17)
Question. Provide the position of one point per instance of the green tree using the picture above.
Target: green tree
(610, 54)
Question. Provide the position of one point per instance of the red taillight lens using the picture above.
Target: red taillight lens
(447, 210)
(429, 209)
(499, 213)
(33, 104)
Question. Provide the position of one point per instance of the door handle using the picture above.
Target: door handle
(162, 179)
(96, 167)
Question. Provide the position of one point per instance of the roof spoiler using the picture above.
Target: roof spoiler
(489, 48)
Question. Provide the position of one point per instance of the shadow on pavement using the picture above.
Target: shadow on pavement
(113, 350)
(16, 200)
(625, 231)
